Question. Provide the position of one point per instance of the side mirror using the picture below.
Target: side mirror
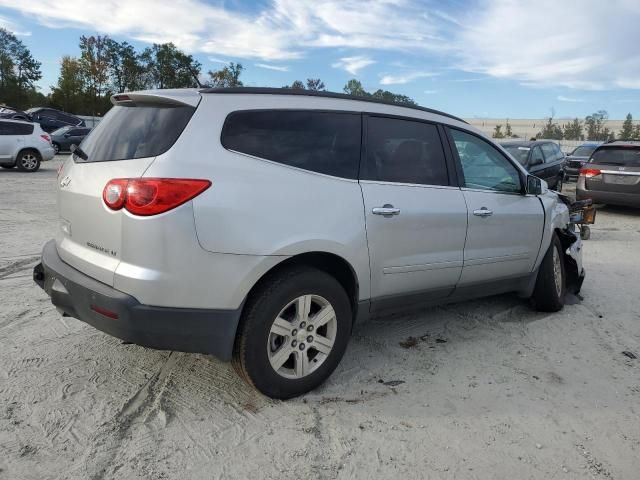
(536, 186)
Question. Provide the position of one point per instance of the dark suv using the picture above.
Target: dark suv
(612, 175)
(51, 119)
(577, 158)
(541, 158)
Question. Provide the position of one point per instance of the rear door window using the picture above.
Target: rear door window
(618, 156)
(404, 151)
(139, 131)
(319, 141)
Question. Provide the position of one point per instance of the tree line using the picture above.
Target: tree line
(106, 67)
(592, 128)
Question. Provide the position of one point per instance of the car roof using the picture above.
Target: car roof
(23, 122)
(622, 143)
(315, 93)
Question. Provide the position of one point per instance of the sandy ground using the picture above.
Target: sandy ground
(485, 389)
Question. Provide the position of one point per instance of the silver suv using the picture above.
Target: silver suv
(258, 225)
(23, 145)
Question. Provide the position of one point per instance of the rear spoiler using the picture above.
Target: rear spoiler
(175, 98)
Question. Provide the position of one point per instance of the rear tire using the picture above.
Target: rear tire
(551, 286)
(28, 160)
(283, 351)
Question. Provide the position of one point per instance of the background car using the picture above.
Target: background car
(23, 145)
(14, 114)
(612, 175)
(51, 119)
(64, 137)
(541, 158)
(577, 158)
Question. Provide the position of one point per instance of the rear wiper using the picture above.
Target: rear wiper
(76, 150)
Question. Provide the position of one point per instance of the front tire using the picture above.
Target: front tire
(551, 286)
(559, 184)
(56, 147)
(293, 333)
(28, 161)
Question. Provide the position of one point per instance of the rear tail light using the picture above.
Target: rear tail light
(46, 138)
(151, 196)
(589, 172)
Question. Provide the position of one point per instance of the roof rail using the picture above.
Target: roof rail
(315, 93)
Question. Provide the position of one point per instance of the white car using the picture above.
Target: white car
(258, 224)
(24, 145)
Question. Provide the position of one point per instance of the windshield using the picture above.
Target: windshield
(519, 153)
(138, 131)
(60, 131)
(583, 151)
(622, 156)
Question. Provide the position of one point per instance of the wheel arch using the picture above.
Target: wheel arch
(331, 263)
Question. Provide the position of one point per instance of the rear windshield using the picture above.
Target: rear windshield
(622, 156)
(583, 151)
(139, 131)
(520, 153)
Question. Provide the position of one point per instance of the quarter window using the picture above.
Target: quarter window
(10, 128)
(550, 152)
(404, 151)
(483, 166)
(323, 142)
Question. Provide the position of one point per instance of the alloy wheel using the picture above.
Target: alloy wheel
(302, 336)
(29, 161)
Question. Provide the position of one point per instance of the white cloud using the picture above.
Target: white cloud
(584, 45)
(570, 43)
(353, 64)
(404, 77)
(217, 60)
(562, 98)
(13, 28)
(277, 68)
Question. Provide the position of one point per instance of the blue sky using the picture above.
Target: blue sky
(472, 58)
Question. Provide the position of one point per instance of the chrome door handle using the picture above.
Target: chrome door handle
(483, 212)
(387, 210)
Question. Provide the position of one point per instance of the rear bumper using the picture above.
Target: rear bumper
(613, 198)
(183, 329)
(47, 153)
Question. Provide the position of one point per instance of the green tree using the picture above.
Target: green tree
(315, 84)
(69, 94)
(636, 132)
(169, 67)
(18, 71)
(497, 132)
(627, 129)
(508, 133)
(551, 131)
(354, 87)
(297, 85)
(126, 72)
(94, 64)
(594, 124)
(229, 76)
(388, 96)
(573, 130)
